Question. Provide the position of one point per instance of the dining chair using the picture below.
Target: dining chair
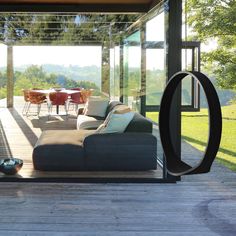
(75, 100)
(57, 99)
(37, 99)
(86, 93)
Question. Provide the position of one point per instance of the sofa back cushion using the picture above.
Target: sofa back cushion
(96, 107)
(111, 106)
(139, 124)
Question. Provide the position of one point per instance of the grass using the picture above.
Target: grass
(195, 132)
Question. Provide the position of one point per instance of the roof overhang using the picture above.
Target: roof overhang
(82, 6)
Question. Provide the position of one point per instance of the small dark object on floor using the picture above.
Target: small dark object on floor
(10, 166)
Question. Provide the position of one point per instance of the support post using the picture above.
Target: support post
(105, 70)
(10, 76)
(121, 71)
(143, 70)
(173, 19)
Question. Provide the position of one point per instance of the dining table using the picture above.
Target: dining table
(46, 92)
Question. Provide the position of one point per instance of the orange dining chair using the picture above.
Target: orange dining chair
(76, 99)
(26, 99)
(37, 99)
(86, 93)
(58, 99)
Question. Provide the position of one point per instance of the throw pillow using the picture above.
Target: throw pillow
(115, 123)
(121, 109)
(96, 107)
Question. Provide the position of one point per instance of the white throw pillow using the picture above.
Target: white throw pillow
(96, 107)
(115, 123)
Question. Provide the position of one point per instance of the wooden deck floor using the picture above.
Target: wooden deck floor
(203, 205)
(20, 133)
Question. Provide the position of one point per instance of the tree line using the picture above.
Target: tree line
(35, 77)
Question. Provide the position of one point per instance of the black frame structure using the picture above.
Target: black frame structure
(173, 48)
(175, 166)
(194, 46)
(173, 16)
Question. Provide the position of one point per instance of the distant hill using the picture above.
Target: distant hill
(78, 73)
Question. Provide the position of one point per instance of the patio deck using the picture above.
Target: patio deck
(20, 133)
(198, 205)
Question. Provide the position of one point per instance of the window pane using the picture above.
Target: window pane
(155, 76)
(132, 71)
(155, 30)
(187, 81)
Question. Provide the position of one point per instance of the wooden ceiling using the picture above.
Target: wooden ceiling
(99, 6)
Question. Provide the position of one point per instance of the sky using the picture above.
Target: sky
(59, 55)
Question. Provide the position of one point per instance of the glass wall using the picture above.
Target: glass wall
(155, 76)
(155, 65)
(144, 69)
(115, 73)
(64, 66)
(3, 74)
(132, 71)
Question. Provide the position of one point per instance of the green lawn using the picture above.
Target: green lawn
(195, 132)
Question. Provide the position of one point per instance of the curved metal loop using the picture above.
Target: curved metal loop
(175, 166)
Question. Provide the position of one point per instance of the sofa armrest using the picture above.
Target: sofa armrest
(121, 151)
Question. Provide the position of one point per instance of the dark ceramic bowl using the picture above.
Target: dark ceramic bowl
(10, 166)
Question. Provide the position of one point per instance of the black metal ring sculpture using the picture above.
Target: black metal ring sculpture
(175, 166)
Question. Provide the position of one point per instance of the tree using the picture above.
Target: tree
(216, 19)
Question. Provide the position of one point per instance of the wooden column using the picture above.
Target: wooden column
(10, 76)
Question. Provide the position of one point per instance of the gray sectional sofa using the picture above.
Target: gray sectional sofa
(84, 150)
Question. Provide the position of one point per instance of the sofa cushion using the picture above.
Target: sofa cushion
(139, 124)
(115, 123)
(112, 105)
(88, 122)
(96, 107)
(60, 150)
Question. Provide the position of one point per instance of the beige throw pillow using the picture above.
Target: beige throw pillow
(96, 107)
(121, 109)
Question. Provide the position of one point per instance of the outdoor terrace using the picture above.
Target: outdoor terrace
(20, 133)
(198, 205)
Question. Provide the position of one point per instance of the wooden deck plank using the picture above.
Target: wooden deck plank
(200, 205)
(117, 209)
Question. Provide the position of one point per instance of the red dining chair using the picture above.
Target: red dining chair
(58, 99)
(37, 99)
